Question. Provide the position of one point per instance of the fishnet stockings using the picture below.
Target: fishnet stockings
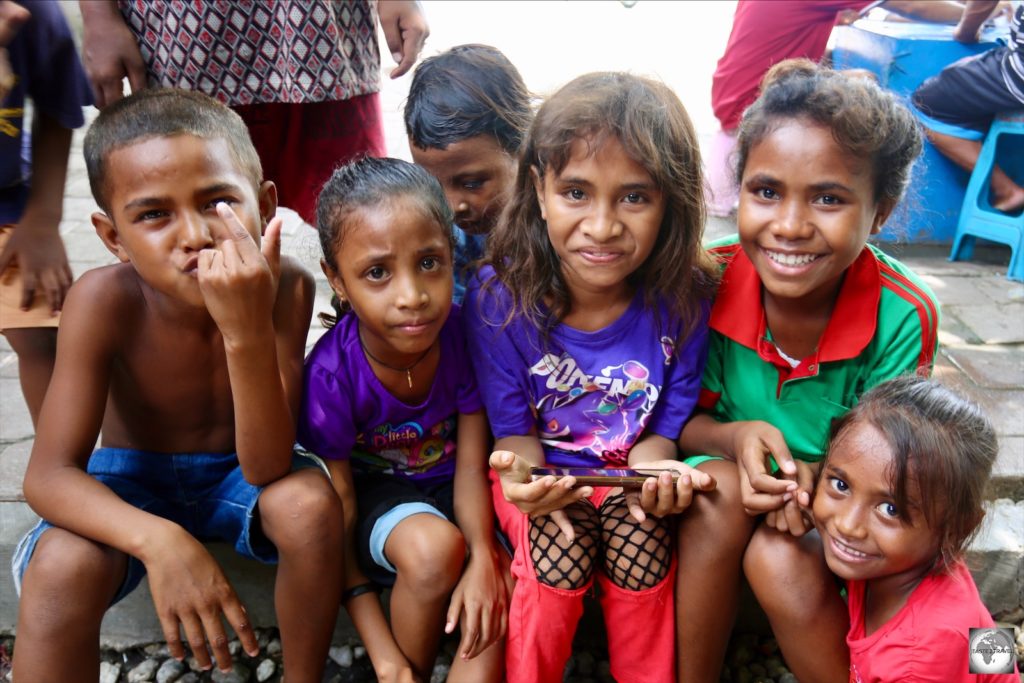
(636, 556)
(561, 564)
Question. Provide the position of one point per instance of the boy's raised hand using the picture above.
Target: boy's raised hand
(545, 496)
(753, 443)
(659, 497)
(191, 593)
(238, 278)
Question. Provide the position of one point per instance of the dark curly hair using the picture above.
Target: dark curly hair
(865, 120)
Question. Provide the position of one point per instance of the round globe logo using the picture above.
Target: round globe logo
(991, 651)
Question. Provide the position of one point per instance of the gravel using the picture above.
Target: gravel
(750, 659)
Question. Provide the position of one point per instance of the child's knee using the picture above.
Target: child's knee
(783, 570)
(300, 510)
(720, 512)
(432, 558)
(69, 576)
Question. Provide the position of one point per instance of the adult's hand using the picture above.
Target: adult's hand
(405, 29)
(110, 52)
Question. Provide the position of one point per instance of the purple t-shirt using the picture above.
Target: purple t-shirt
(590, 395)
(348, 414)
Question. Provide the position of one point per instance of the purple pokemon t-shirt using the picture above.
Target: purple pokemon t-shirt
(590, 395)
(348, 414)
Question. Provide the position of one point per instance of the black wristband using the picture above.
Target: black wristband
(361, 589)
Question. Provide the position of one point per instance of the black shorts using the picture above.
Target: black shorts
(377, 495)
(963, 98)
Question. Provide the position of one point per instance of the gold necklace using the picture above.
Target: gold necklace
(407, 369)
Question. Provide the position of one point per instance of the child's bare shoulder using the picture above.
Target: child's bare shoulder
(106, 293)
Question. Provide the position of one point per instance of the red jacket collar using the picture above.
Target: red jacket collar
(738, 312)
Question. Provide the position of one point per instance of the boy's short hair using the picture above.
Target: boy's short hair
(467, 91)
(164, 112)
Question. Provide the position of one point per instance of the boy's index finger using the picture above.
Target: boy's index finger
(233, 228)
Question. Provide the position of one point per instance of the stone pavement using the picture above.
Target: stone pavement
(982, 354)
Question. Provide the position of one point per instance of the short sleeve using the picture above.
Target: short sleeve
(682, 383)
(499, 366)
(911, 346)
(940, 654)
(326, 425)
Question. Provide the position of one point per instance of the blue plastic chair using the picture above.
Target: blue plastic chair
(977, 217)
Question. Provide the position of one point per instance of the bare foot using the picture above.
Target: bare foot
(1010, 203)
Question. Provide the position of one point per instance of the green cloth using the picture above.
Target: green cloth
(884, 324)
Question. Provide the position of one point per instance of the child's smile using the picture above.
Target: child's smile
(855, 512)
(806, 210)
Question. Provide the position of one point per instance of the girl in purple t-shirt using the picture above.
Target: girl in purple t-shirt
(391, 404)
(588, 333)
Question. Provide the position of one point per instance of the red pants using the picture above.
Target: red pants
(542, 619)
(300, 145)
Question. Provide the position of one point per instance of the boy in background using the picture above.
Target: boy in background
(467, 112)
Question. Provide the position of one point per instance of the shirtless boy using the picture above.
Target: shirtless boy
(187, 358)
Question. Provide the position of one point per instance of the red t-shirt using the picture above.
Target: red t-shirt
(763, 34)
(927, 640)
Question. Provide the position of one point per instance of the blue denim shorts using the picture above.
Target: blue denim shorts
(204, 493)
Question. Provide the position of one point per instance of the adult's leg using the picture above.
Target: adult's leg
(68, 585)
(300, 144)
(957, 106)
(302, 516)
(36, 348)
(428, 553)
(712, 537)
(1006, 195)
(800, 596)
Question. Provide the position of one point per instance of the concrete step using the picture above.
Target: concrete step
(996, 559)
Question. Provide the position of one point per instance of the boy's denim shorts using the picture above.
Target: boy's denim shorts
(204, 493)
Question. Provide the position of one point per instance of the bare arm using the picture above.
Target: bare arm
(975, 14)
(365, 610)
(933, 11)
(258, 307)
(110, 52)
(189, 589)
(748, 443)
(36, 242)
(481, 593)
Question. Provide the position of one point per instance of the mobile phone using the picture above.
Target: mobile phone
(624, 477)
